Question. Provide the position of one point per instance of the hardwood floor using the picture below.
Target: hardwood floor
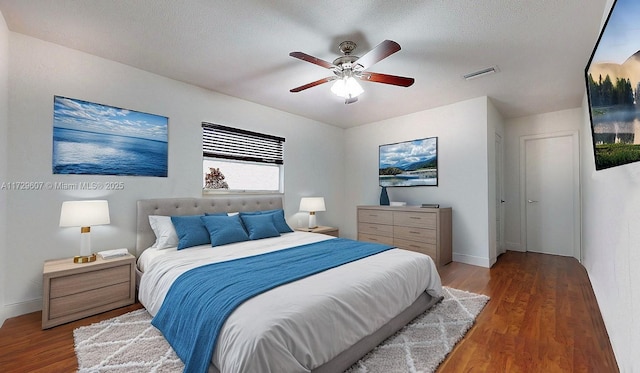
(542, 317)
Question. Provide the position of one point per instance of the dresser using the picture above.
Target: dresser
(424, 230)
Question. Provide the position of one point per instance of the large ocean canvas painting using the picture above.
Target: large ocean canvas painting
(95, 139)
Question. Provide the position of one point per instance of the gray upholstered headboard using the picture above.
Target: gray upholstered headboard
(194, 206)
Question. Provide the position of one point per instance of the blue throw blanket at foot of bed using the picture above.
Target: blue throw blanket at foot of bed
(200, 300)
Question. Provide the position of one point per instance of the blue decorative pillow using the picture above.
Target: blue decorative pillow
(224, 229)
(278, 219)
(190, 230)
(260, 226)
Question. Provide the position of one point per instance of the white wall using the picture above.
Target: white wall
(558, 121)
(39, 70)
(4, 133)
(461, 129)
(611, 244)
(611, 247)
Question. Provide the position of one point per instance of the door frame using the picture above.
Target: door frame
(499, 203)
(577, 252)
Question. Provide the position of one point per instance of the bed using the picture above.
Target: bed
(315, 324)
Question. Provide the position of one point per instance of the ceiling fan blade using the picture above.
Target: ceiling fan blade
(387, 79)
(313, 84)
(380, 52)
(314, 60)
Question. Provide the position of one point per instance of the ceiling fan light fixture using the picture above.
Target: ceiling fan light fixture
(347, 87)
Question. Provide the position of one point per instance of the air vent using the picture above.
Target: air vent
(481, 73)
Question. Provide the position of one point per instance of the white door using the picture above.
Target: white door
(551, 194)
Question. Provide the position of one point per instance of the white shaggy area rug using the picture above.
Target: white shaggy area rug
(129, 343)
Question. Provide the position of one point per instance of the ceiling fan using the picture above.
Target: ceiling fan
(348, 68)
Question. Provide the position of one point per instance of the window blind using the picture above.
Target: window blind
(232, 143)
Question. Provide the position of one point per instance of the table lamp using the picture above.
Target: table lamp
(311, 205)
(84, 214)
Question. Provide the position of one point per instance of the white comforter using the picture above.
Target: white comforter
(302, 325)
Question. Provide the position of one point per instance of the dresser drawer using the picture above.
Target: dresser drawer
(415, 219)
(375, 238)
(90, 299)
(415, 234)
(377, 229)
(420, 247)
(375, 216)
(81, 282)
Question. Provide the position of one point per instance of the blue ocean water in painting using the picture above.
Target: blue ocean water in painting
(81, 152)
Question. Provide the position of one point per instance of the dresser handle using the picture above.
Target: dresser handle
(414, 232)
(415, 217)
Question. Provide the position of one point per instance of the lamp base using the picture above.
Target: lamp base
(84, 259)
(312, 220)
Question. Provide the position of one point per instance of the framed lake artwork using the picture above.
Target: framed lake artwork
(408, 163)
(613, 87)
(96, 139)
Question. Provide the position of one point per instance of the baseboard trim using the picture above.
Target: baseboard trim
(22, 308)
(473, 260)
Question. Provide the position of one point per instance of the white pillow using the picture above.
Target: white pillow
(166, 235)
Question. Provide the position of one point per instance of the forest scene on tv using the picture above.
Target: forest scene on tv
(613, 84)
(409, 163)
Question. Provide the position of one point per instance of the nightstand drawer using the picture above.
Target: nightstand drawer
(79, 283)
(88, 300)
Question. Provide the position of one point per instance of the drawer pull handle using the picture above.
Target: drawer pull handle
(414, 232)
(415, 217)
(415, 246)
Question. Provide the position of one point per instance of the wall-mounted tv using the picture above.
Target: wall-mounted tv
(409, 163)
(613, 86)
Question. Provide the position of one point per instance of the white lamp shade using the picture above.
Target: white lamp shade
(347, 87)
(312, 204)
(84, 213)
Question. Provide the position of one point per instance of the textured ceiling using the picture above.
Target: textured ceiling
(241, 48)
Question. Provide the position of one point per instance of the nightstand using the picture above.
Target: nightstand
(72, 291)
(331, 231)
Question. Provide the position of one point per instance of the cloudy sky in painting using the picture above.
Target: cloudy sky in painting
(407, 152)
(620, 38)
(87, 116)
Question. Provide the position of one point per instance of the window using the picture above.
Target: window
(236, 160)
